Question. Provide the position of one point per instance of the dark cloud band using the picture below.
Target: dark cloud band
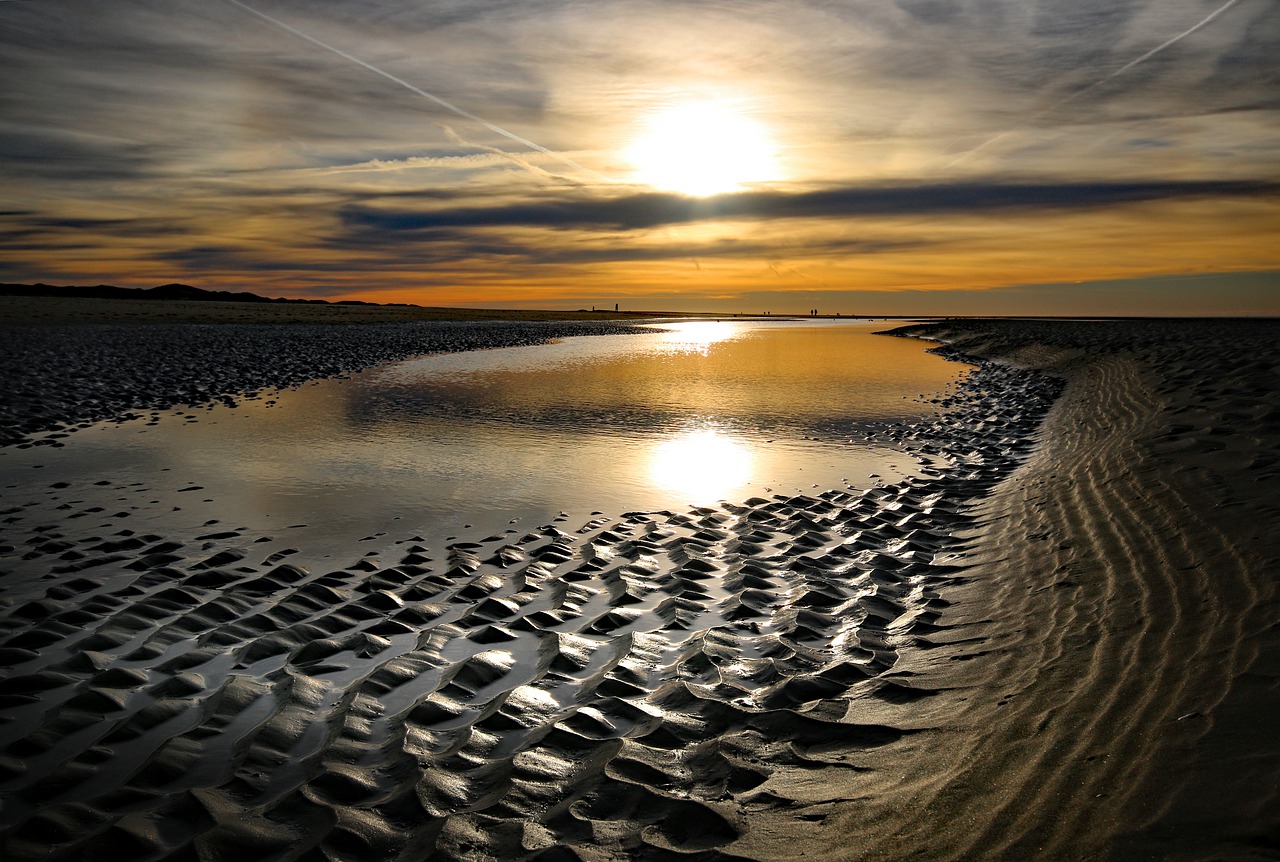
(651, 210)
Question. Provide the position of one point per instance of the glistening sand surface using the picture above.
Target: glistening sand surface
(1071, 657)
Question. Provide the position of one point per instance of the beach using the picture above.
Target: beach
(1059, 642)
(1122, 700)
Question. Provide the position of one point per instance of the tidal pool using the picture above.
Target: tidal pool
(469, 444)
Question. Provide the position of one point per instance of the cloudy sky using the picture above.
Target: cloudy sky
(860, 156)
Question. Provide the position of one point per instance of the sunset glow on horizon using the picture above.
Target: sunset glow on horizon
(876, 158)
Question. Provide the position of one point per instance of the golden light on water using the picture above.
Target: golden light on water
(703, 148)
(704, 466)
(697, 336)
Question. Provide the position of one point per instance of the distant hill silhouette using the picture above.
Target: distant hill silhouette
(165, 292)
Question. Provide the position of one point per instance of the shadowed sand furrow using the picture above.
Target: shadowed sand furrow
(1179, 625)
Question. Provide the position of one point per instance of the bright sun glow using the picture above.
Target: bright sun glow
(697, 336)
(702, 148)
(702, 465)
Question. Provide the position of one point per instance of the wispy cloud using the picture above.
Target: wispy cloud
(307, 144)
(1084, 92)
(429, 96)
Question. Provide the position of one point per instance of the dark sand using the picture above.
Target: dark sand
(1121, 694)
(58, 377)
(1060, 645)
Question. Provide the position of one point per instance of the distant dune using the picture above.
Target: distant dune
(171, 291)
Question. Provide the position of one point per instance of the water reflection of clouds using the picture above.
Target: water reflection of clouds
(572, 354)
(767, 380)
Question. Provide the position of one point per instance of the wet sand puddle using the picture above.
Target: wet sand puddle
(608, 688)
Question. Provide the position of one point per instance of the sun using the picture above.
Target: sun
(702, 148)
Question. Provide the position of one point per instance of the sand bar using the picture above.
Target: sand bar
(1059, 645)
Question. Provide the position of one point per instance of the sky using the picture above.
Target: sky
(876, 157)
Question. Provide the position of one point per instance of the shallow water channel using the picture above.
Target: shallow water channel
(469, 444)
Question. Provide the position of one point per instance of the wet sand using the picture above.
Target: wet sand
(1060, 644)
(59, 377)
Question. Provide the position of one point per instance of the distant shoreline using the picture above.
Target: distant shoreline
(25, 304)
(44, 304)
(171, 291)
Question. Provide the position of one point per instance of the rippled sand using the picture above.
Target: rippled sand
(1056, 645)
(1118, 699)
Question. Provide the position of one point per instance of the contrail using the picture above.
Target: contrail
(1098, 83)
(1147, 56)
(462, 112)
(511, 157)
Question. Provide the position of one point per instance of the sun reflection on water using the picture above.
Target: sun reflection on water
(705, 466)
(697, 336)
